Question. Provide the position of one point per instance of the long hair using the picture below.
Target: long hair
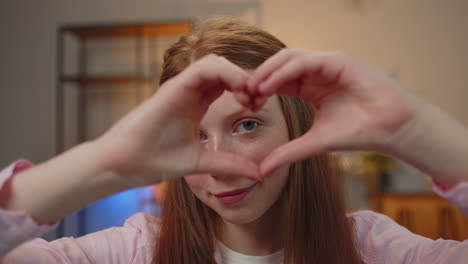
(316, 228)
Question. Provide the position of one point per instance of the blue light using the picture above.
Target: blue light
(112, 211)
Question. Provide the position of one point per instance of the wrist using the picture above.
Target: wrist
(433, 142)
(102, 179)
(110, 165)
(399, 142)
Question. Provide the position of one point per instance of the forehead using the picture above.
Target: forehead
(227, 104)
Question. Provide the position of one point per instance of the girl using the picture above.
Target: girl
(247, 184)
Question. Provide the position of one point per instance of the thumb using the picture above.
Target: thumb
(225, 163)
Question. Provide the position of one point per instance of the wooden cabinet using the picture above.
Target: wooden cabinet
(424, 214)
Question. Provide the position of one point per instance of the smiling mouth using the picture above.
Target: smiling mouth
(234, 196)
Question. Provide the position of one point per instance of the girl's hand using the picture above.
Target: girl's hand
(159, 140)
(356, 107)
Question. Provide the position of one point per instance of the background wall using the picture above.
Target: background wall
(420, 42)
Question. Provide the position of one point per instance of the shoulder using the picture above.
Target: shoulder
(146, 225)
(381, 240)
(131, 243)
(143, 220)
(456, 194)
(366, 218)
(377, 236)
(370, 226)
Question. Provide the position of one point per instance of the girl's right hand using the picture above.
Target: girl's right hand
(159, 140)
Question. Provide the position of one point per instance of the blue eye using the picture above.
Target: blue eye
(248, 126)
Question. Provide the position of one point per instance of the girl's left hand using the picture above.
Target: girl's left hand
(356, 108)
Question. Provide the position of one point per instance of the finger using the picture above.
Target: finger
(222, 73)
(242, 98)
(238, 75)
(320, 70)
(294, 71)
(226, 163)
(249, 102)
(267, 67)
(295, 150)
(258, 103)
(212, 70)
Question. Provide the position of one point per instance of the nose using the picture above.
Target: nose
(217, 143)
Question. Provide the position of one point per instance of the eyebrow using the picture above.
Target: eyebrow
(242, 111)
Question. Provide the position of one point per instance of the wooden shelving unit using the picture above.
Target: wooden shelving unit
(83, 81)
(84, 34)
(129, 30)
(111, 79)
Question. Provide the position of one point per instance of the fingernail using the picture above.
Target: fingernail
(259, 102)
(253, 173)
(261, 88)
(257, 177)
(242, 98)
(264, 171)
(250, 83)
(252, 104)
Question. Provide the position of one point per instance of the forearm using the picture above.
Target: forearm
(435, 143)
(62, 185)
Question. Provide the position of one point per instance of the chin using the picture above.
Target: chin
(239, 216)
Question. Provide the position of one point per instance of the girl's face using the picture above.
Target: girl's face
(228, 127)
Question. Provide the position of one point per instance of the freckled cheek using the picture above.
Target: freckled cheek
(258, 150)
(197, 181)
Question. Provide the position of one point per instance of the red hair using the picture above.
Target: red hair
(316, 228)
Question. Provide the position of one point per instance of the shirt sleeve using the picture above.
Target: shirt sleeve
(382, 240)
(457, 195)
(16, 227)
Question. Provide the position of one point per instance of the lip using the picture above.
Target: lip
(234, 196)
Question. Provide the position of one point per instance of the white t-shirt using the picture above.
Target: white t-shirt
(229, 256)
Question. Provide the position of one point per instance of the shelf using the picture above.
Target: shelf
(121, 88)
(117, 79)
(127, 30)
